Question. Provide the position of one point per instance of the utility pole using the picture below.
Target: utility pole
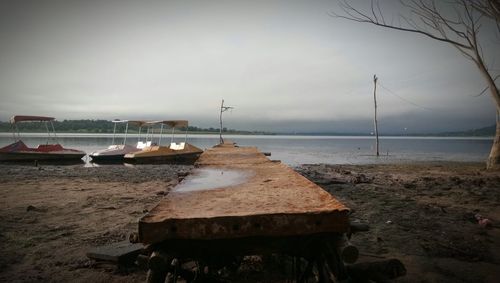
(375, 119)
(222, 109)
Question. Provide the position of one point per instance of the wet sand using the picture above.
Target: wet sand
(421, 213)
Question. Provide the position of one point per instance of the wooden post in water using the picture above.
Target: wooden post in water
(375, 118)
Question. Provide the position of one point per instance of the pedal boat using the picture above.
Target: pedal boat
(18, 151)
(175, 153)
(115, 152)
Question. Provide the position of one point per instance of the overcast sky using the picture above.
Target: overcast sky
(283, 65)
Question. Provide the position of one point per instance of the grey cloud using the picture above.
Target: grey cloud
(283, 64)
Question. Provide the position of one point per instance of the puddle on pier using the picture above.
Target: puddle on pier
(209, 179)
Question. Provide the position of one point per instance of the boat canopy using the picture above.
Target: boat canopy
(152, 123)
(119, 121)
(139, 123)
(23, 118)
(176, 123)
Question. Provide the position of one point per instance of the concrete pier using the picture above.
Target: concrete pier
(237, 192)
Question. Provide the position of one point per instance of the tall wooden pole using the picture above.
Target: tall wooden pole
(375, 119)
(221, 140)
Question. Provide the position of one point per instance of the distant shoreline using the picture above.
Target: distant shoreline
(106, 127)
(288, 135)
(243, 133)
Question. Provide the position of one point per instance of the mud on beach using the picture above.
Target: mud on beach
(51, 216)
(422, 213)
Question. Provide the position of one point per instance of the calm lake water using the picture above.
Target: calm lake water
(295, 150)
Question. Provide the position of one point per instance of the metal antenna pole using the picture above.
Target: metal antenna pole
(222, 109)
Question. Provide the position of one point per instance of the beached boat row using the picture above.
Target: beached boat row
(144, 151)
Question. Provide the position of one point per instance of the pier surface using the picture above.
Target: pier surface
(237, 192)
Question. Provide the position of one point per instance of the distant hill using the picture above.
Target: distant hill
(481, 132)
(105, 126)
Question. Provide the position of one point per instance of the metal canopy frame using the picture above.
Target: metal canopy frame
(51, 132)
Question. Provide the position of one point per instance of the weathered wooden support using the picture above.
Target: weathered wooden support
(158, 267)
(325, 274)
(308, 272)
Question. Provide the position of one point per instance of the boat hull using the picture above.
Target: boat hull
(113, 154)
(19, 152)
(117, 158)
(40, 156)
(163, 154)
(186, 158)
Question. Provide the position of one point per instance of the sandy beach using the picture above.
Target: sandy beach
(52, 215)
(422, 213)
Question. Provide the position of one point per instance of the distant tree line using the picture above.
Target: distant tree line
(102, 126)
(105, 126)
(74, 126)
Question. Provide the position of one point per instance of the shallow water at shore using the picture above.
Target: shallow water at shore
(295, 150)
(208, 179)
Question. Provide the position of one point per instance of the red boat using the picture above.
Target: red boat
(19, 151)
